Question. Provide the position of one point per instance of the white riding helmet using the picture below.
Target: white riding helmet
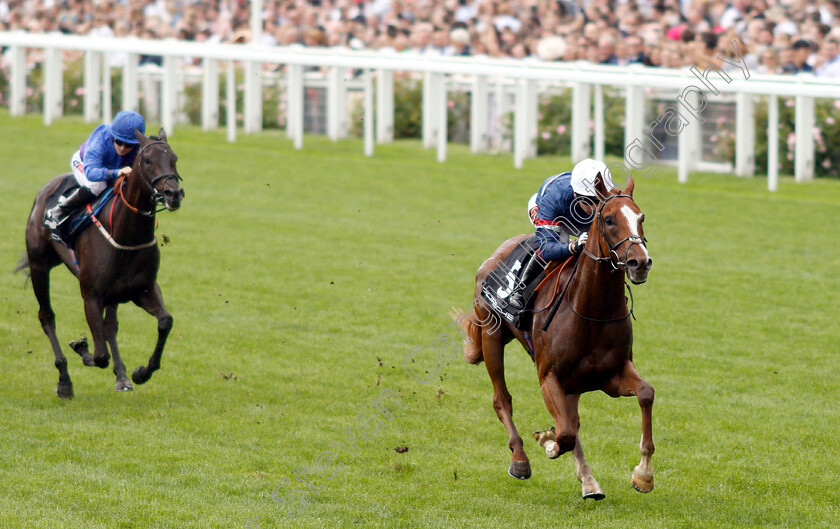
(532, 209)
(583, 177)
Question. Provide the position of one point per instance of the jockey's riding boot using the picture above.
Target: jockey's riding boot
(532, 270)
(66, 205)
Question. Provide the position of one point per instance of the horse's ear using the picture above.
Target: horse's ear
(628, 189)
(140, 137)
(162, 134)
(600, 189)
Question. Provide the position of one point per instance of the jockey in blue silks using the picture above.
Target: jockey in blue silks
(556, 212)
(106, 155)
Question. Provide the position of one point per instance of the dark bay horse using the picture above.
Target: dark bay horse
(116, 260)
(588, 344)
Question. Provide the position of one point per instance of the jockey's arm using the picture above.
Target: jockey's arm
(95, 170)
(551, 247)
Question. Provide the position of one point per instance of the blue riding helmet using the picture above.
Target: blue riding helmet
(124, 124)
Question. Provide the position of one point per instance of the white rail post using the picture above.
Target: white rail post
(92, 108)
(130, 100)
(634, 114)
(520, 124)
(18, 88)
(429, 108)
(290, 111)
(581, 115)
(253, 111)
(441, 132)
(744, 135)
(368, 125)
(478, 114)
(53, 86)
(168, 106)
(296, 104)
(804, 162)
(210, 94)
(230, 101)
(688, 145)
(772, 143)
(531, 118)
(334, 82)
(599, 122)
(384, 106)
(107, 110)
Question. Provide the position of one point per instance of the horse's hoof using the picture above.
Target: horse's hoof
(124, 385)
(79, 345)
(552, 450)
(64, 390)
(593, 493)
(520, 469)
(641, 484)
(140, 375)
(101, 361)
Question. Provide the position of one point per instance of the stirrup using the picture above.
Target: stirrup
(50, 221)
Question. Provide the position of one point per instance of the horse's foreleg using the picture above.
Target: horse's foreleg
(555, 401)
(152, 302)
(627, 384)
(493, 352)
(41, 285)
(111, 328)
(94, 314)
(590, 489)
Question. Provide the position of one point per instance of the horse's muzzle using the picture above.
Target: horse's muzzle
(637, 269)
(172, 198)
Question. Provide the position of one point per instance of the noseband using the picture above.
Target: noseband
(157, 196)
(613, 258)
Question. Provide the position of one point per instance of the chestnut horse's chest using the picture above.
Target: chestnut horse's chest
(586, 360)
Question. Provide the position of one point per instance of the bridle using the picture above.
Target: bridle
(157, 197)
(613, 258)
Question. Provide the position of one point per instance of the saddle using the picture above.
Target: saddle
(499, 284)
(70, 228)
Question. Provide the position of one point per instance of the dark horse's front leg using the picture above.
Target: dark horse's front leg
(94, 312)
(111, 327)
(152, 302)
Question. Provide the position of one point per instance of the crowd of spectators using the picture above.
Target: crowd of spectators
(773, 36)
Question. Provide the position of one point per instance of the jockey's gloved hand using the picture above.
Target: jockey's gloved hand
(577, 246)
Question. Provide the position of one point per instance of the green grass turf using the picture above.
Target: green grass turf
(299, 280)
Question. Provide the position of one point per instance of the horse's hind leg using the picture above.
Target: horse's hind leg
(493, 352)
(152, 302)
(41, 285)
(111, 327)
(627, 384)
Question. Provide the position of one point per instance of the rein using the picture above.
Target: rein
(616, 264)
(157, 196)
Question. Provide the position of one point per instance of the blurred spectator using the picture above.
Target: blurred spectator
(788, 36)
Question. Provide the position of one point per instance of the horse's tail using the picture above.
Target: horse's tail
(472, 344)
(23, 265)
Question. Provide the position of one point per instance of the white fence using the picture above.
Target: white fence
(484, 76)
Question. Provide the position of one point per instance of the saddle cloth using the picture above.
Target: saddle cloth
(498, 285)
(78, 220)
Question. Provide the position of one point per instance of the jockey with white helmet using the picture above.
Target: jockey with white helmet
(556, 213)
(107, 154)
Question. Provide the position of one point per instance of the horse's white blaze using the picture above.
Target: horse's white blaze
(633, 223)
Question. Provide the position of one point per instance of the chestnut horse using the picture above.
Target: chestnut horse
(587, 345)
(116, 261)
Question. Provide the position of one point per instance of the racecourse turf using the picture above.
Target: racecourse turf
(300, 280)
